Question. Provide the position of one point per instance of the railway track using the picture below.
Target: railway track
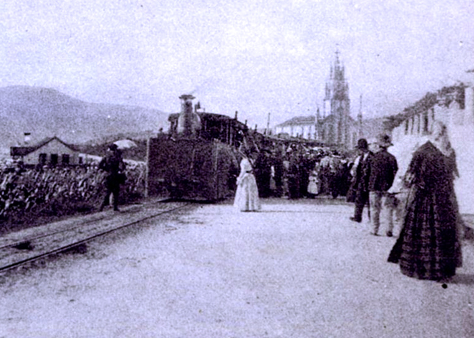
(37, 243)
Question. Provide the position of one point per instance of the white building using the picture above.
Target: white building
(52, 151)
(455, 107)
(299, 126)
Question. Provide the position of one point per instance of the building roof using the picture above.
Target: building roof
(298, 120)
(22, 151)
(332, 117)
(309, 120)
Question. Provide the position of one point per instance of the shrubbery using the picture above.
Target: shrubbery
(29, 195)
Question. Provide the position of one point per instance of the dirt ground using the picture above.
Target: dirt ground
(295, 269)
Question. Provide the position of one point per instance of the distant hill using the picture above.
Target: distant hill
(45, 112)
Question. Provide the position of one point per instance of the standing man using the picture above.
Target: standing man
(383, 167)
(360, 172)
(277, 163)
(113, 164)
(263, 173)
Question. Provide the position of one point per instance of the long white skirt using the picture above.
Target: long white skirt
(313, 186)
(246, 196)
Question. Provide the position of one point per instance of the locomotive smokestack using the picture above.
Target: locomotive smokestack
(188, 121)
(186, 113)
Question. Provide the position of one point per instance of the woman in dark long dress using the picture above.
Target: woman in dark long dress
(429, 244)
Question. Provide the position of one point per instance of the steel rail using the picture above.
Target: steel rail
(47, 234)
(75, 244)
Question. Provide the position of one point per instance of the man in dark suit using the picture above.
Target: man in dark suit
(360, 171)
(114, 165)
(263, 173)
(383, 167)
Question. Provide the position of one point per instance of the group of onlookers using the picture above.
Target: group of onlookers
(419, 194)
(301, 173)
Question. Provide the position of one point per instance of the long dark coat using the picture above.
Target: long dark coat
(383, 167)
(113, 164)
(428, 246)
(359, 189)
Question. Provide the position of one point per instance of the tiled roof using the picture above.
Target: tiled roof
(22, 151)
(332, 117)
(298, 120)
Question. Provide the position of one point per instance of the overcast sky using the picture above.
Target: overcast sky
(256, 57)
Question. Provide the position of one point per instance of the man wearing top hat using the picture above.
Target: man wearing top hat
(360, 171)
(383, 167)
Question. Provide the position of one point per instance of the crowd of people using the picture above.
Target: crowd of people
(299, 172)
(417, 194)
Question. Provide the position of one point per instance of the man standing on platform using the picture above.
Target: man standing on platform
(383, 167)
(359, 190)
(114, 165)
(263, 172)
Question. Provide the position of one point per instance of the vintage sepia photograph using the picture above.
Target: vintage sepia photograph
(236, 169)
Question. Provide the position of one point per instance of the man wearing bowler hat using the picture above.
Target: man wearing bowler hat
(359, 190)
(383, 167)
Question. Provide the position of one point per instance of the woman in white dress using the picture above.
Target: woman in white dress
(246, 196)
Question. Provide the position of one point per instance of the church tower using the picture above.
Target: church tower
(337, 105)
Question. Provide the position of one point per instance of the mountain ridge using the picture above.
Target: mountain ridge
(46, 112)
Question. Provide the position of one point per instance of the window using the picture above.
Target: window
(65, 158)
(42, 159)
(54, 159)
(425, 122)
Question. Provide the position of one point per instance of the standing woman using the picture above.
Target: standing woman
(429, 244)
(246, 196)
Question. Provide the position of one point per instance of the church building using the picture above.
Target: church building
(334, 126)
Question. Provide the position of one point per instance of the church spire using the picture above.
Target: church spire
(337, 104)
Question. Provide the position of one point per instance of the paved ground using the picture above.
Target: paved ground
(293, 270)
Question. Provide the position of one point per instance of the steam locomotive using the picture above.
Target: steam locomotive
(198, 159)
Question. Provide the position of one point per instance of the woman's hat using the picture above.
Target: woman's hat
(362, 144)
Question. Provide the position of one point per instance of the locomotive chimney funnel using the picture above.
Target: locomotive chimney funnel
(189, 122)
